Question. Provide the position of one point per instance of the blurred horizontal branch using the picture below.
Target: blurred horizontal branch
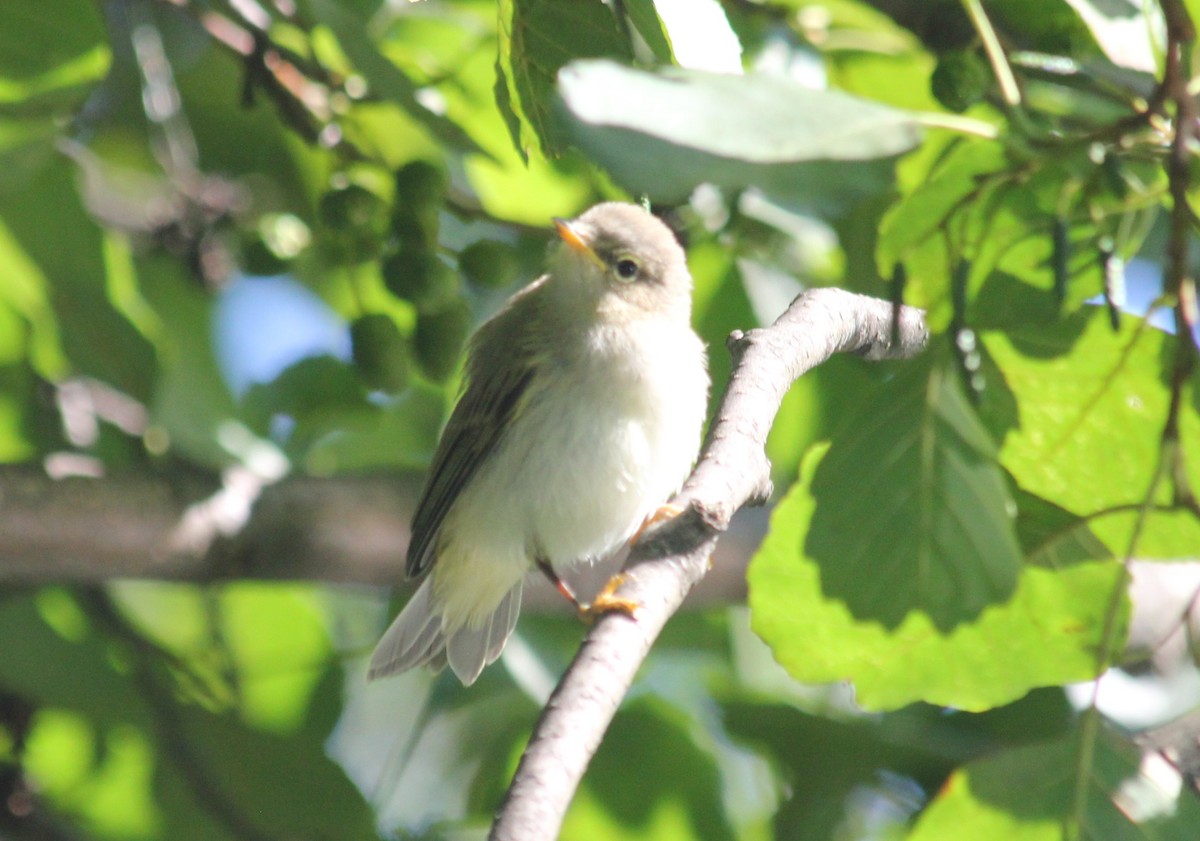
(130, 525)
(335, 529)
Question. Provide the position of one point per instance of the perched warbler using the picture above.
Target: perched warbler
(581, 414)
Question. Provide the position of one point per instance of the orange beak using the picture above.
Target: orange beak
(577, 243)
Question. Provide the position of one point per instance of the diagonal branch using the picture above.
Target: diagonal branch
(733, 472)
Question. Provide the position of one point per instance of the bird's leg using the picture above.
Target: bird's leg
(604, 602)
(662, 514)
(559, 584)
(607, 601)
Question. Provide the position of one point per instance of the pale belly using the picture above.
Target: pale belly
(591, 464)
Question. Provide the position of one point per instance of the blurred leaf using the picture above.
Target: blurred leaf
(912, 512)
(279, 642)
(659, 801)
(1045, 634)
(793, 142)
(385, 78)
(1049, 28)
(34, 43)
(1028, 793)
(284, 786)
(305, 390)
(537, 37)
(825, 760)
(402, 433)
(758, 118)
(1053, 536)
(47, 221)
(19, 415)
(1090, 405)
(644, 17)
(961, 177)
(101, 777)
(1126, 31)
(272, 636)
(191, 400)
(53, 662)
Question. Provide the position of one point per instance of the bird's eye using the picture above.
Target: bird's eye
(627, 268)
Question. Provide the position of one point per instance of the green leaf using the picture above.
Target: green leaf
(826, 760)
(537, 37)
(913, 515)
(644, 17)
(962, 176)
(385, 78)
(663, 133)
(58, 654)
(36, 44)
(286, 786)
(1027, 794)
(400, 434)
(1123, 30)
(62, 251)
(1087, 435)
(1054, 537)
(712, 112)
(191, 401)
(662, 800)
(1047, 633)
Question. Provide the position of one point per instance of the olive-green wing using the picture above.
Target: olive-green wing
(475, 429)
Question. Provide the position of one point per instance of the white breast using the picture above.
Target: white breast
(596, 455)
(617, 445)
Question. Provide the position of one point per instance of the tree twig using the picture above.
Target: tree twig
(733, 472)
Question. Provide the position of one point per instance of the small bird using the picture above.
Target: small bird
(581, 414)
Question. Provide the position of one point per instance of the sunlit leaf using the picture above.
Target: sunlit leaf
(965, 175)
(1125, 31)
(1047, 633)
(663, 133)
(658, 802)
(1087, 435)
(1029, 793)
(912, 512)
(537, 37)
(385, 78)
(34, 44)
(644, 17)
(96, 338)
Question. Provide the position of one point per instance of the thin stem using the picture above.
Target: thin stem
(954, 122)
(995, 53)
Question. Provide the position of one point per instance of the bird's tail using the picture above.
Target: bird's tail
(418, 636)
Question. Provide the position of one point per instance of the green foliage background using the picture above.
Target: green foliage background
(950, 539)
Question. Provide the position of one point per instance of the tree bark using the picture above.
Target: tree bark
(733, 471)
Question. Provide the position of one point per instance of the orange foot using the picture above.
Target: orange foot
(607, 601)
(662, 514)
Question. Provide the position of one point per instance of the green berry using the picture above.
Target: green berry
(420, 191)
(420, 184)
(354, 223)
(439, 339)
(420, 278)
(490, 263)
(380, 352)
(960, 80)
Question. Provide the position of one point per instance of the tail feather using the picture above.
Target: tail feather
(418, 637)
(468, 650)
(412, 639)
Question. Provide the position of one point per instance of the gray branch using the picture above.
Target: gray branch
(194, 527)
(733, 472)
